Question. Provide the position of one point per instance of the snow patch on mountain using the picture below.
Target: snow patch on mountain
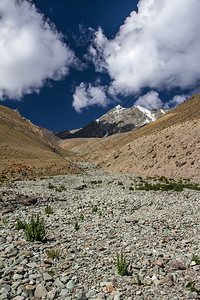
(148, 113)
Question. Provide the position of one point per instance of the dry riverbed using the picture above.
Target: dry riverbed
(157, 232)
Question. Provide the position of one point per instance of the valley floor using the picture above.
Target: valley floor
(157, 232)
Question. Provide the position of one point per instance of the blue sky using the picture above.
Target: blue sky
(65, 63)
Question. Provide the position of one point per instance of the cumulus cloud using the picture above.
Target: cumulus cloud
(150, 101)
(156, 47)
(87, 95)
(31, 50)
(176, 100)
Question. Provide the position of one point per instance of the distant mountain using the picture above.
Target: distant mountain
(170, 146)
(26, 151)
(116, 120)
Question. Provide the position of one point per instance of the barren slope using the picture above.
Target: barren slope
(170, 146)
(24, 149)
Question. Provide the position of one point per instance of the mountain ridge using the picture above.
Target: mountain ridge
(25, 150)
(169, 146)
(116, 120)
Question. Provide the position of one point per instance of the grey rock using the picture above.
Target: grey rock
(17, 276)
(64, 292)
(40, 291)
(47, 277)
(58, 283)
(81, 296)
(71, 285)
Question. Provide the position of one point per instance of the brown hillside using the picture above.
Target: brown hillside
(25, 150)
(170, 146)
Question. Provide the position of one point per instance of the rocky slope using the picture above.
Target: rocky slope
(157, 232)
(116, 120)
(170, 146)
(25, 150)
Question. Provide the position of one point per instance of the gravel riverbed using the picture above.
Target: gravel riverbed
(158, 233)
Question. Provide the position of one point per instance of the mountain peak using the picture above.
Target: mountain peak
(116, 120)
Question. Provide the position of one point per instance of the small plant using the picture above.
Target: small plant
(48, 210)
(4, 221)
(20, 225)
(121, 264)
(3, 178)
(34, 230)
(51, 186)
(94, 209)
(82, 217)
(57, 189)
(131, 188)
(193, 289)
(76, 226)
(195, 259)
(52, 253)
(68, 222)
(120, 183)
(100, 214)
(60, 188)
(138, 280)
(96, 181)
(51, 272)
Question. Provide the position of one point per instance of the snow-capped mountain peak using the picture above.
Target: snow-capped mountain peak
(118, 119)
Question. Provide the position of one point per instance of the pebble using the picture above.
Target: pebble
(157, 232)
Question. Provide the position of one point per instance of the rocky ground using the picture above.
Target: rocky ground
(157, 232)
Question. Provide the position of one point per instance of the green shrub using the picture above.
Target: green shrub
(48, 210)
(52, 253)
(34, 230)
(76, 226)
(82, 217)
(20, 225)
(96, 181)
(138, 279)
(196, 259)
(4, 221)
(94, 209)
(121, 264)
(60, 188)
(51, 186)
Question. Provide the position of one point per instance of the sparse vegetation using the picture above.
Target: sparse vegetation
(51, 272)
(120, 183)
(52, 253)
(96, 181)
(167, 185)
(4, 221)
(57, 189)
(48, 210)
(20, 225)
(34, 230)
(195, 259)
(193, 289)
(51, 186)
(121, 264)
(81, 217)
(138, 280)
(3, 178)
(76, 226)
(94, 209)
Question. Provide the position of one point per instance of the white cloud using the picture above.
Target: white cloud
(158, 47)
(176, 100)
(31, 50)
(151, 100)
(87, 95)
